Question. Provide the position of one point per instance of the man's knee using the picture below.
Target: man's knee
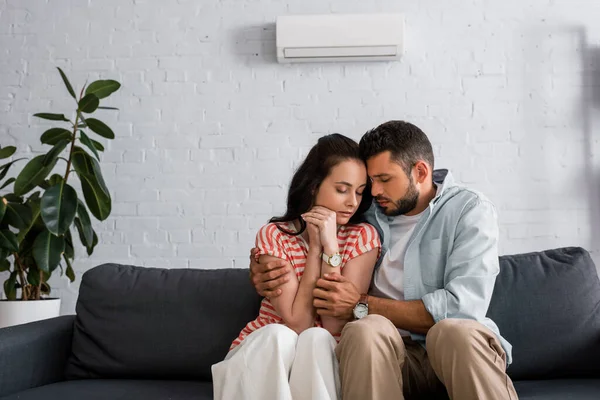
(369, 328)
(453, 334)
(368, 336)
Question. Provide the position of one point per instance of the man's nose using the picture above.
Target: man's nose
(376, 189)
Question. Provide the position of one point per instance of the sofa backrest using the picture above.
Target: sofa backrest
(135, 322)
(547, 305)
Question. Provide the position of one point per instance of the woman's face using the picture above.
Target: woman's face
(342, 190)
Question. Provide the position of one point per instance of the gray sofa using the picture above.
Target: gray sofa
(149, 333)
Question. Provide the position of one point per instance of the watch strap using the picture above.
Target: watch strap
(364, 299)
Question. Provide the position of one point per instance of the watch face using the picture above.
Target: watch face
(360, 311)
(335, 260)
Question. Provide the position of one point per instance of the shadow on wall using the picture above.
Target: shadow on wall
(590, 79)
(561, 96)
(255, 44)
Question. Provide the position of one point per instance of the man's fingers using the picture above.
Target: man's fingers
(270, 294)
(319, 303)
(275, 264)
(274, 274)
(326, 284)
(321, 294)
(335, 277)
(272, 284)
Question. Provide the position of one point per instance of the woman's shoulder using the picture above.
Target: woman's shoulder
(273, 229)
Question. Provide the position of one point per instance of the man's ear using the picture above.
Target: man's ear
(421, 171)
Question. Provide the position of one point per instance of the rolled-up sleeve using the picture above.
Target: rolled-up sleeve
(471, 268)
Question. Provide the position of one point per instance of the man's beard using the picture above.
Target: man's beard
(405, 204)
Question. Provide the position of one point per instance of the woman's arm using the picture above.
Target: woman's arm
(295, 304)
(359, 271)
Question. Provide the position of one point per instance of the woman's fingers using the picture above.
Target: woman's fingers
(315, 221)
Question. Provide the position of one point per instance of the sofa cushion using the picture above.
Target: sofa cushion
(560, 389)
(547, 305)
(117, 389)
(152, 323)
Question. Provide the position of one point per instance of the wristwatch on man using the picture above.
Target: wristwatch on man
(334, 260)
(361, 309)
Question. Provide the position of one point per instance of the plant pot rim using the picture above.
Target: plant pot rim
(23, 301)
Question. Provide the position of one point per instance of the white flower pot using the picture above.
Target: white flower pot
(21, 312)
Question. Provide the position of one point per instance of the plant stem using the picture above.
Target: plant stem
(68, 170)
(19, 266)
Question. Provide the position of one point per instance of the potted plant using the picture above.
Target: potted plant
(39, 217)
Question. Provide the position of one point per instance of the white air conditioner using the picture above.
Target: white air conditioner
(337, 37)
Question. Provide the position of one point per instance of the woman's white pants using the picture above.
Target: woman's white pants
(275, 363)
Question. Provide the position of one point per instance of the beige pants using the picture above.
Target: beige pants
(462, 356)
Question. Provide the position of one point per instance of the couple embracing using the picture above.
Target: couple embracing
(376, 282)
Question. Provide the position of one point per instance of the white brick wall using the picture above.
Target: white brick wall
(211, 126)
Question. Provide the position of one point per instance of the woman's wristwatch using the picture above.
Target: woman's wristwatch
(334, 260)
(361, 309)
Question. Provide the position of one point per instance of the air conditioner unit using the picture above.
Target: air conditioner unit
(338, 37)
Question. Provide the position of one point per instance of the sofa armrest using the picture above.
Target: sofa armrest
(34, 354)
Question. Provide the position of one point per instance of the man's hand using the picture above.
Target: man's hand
(335, 296)
(267, 278)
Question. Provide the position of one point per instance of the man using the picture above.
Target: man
(423, 325)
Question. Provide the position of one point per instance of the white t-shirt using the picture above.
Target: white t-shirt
(388, 281)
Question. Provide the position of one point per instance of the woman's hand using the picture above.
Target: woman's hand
(326, 221)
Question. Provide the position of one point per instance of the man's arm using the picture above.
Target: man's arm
(408, 315)
(470, 274)
(268, 278)
(471, 268)
(336, 297)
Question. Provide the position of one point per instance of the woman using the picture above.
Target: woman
(288, 351)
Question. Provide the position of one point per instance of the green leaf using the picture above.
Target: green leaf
(8, 182)
(97, 201)
(94, 189)
(54, 179)
(100, 128)
(103, 88)
(86, 223)
(67, 83)
(5, 167)
(3, 203)
(34, 206)
(69, 250)
(8, 240)
(70, 271)
(90, 250)
(33, 276)
(32, 175)
(87, 142)
(7, 151)
(55, 151)
(17, 215)
(89, 103)
(97, 145)
(47, 250)
(13, 198)
(58, 208)
(4, 265)
(52, 117)
(10, 290)
(83, 162)
(55, 135)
